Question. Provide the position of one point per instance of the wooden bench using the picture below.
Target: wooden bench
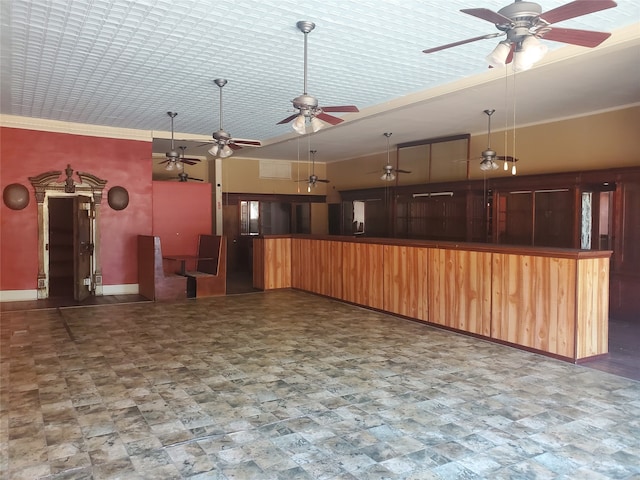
(210, 277)
(154, 282)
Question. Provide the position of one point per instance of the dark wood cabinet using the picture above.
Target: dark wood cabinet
(537, 210)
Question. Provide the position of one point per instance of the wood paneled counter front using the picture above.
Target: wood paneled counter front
(550, 300)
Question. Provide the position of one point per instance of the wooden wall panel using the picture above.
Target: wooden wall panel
(320, 271)
(299, 263)
(317, 266)
(592, 330)
(460, 289)
(534, 302)
(337, 266)
(362, 274)
(276, 261)
(405, 281)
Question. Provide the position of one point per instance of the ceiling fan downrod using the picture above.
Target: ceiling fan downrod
(220, 82)
(489, 155)
(172, 154)
(305, 27)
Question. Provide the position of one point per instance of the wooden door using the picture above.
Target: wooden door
(82, 247)
(231, 229)
(625, 271)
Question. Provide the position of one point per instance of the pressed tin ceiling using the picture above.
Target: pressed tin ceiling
(126, 63)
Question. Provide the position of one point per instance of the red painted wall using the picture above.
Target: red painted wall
(181, 211)
(127, 163)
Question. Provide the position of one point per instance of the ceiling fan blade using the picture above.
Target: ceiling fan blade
(233, 146)
(246, 142)
(341, 108)
(584, 38)
(329, 118)
(507, 158)
(288, 119)
(488, 15)
(397, 170)
(462, 42)
(323, 181)
(576, 9)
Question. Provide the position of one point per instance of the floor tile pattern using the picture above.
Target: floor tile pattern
(288, 385)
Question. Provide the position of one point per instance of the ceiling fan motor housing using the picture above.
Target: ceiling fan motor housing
(221, 136)
(521, 11)
(524, 16)
(172, 155)
(307, 104)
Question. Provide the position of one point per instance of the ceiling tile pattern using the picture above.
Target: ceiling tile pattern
(126, 63)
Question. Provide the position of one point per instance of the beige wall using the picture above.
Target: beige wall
(605, 140)
(241, 175)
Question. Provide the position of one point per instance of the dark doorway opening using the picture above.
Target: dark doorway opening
(61, 266)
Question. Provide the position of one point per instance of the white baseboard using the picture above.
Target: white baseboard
(126, 289)
(23, 295)
(18, 295)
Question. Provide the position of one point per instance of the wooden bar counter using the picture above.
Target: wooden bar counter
(549, 300)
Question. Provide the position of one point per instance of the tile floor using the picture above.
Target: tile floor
(288, 385)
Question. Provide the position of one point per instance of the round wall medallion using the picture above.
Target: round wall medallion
(15, 196)
(118, 198)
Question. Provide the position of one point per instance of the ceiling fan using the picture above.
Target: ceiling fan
(306, 104)
(223, 143)
(489, 156)
(174, 160)
(524, 23)
(388, 174)
(313, 179)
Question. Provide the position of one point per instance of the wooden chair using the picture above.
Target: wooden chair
(153, 281)
(210, 277)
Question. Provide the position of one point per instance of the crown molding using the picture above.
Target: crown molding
(56, 126)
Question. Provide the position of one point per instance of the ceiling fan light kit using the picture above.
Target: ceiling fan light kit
(174, 165)
(529, 51)
(299, 125)
(390, 177)
(498, 57)
(524, 24)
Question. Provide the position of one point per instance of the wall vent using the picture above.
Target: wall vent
(275, 169)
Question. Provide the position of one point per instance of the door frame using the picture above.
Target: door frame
(47, 185)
